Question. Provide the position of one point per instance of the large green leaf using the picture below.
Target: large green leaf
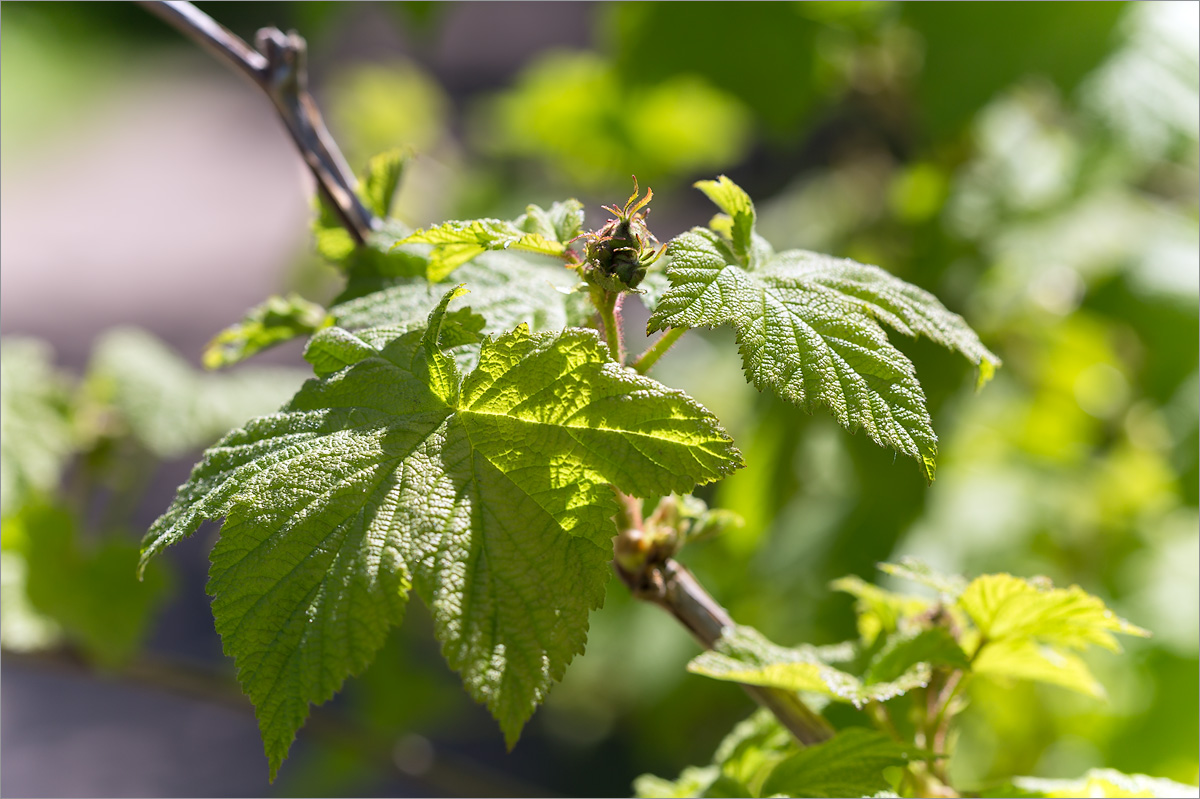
(743, 655)
(809, 326)
(489, 494)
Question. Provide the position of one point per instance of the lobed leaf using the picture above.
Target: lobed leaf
(1004, 607)
(274, 321)
(731, 199)
(878, 611)
(1025, 626)
(809, 325)
(562, 222)
(743, 655)
(455, 243)
(487, 494)
(507, 290)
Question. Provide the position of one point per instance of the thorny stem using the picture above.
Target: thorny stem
(278, 68)
(656, 350)
(668, 584)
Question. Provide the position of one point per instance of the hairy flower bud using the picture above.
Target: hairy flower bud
(616, 256)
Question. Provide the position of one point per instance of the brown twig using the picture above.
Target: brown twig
(278, 67)
(673, 588)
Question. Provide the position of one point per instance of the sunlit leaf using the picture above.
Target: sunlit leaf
(489, 494)
(455, 243)
(272, 322)
(743, 655)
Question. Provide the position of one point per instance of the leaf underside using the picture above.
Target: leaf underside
(489, 494)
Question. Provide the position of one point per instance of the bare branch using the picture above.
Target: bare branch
(278, 67)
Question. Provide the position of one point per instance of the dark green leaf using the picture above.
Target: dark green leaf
(851, 764)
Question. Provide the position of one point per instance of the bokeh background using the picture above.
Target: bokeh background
(1034, 165)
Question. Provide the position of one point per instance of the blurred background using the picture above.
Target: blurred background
(1034, 165)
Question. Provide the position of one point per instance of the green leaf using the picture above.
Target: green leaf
(381, 180)
(1028, 660)
(1004, 607)
(35, 427)
(562, 223)
(878, 611)
(455, 243)
(850, 764)
(743, 655)
(902, 652)
(506, 289)
(809, 326)
(949, 586)
(272, 322)
(1105, 782)
(812, 342)
(1024, 626)
(731, 199)
(741, 761)
(87, 588)
(168, 406)
(487, 494)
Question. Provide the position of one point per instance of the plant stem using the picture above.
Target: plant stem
(278, 67)
(676, 590)
(608, 303)
(656, 350)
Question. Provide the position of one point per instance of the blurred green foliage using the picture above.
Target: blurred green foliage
(1034, 165)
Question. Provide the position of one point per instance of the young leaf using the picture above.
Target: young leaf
(730, 198)
(850, 764)
(381, 180)
(935, 646)
(272, 322)
(1028, 660)
(1105, 782)
(878, 611)
(506, 289)
(561, 223)
(1025, 626)
(487, 494)
(1004, 607)
(949, 586)
(743, 655)
(455, 243)
(809, 327)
